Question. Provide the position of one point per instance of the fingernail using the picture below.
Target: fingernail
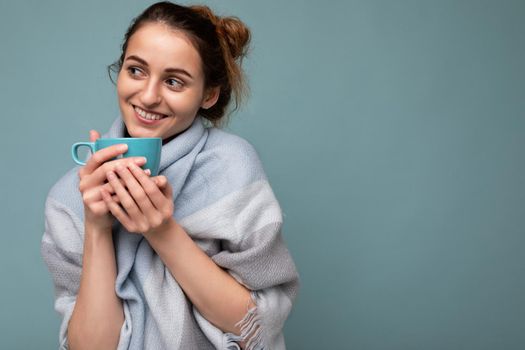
(123, 147)
(140, 160)
(110, 175)
(147, 171)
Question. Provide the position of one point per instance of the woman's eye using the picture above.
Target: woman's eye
(133, 71)
(174, 83)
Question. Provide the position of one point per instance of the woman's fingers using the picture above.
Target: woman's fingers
(98, 176)
(161, 197)
(117, 211)
(103, 155)
(163, 185)
(126, 200)
(152, 190)
(144, 204)
(160, 181)
(166, 189)
(109, 189)
(137, 190)
(93, 135)
(93, 200)
(122, 162)
(94, 194)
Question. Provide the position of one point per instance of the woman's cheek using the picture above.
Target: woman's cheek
(190, 102)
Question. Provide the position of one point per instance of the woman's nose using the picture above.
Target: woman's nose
(150, 94)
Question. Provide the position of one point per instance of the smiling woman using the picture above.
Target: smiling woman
(193, 258)
(157, 100)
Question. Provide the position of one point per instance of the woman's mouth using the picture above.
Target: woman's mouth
(148, 117)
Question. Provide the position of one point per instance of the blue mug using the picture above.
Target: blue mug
(148, 147)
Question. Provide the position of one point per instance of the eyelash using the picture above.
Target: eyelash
(178, 82)
(130, 72)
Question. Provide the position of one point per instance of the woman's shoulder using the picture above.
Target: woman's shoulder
(65, 191)
(231, 156)
(228, 143)
(227, 175)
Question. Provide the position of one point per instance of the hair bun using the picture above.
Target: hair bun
(230, 29)
(236, 35)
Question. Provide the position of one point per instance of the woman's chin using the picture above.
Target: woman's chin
(139, 132)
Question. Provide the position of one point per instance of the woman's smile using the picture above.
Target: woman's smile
(149, 114)
(148, 118)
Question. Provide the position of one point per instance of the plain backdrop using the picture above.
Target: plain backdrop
(393, 134)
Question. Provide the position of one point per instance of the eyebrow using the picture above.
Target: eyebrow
(167, 70)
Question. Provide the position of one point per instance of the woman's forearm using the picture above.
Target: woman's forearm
(98, 314)
(215, 293)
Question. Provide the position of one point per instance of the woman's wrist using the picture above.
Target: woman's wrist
(169, 227)
(97, 225)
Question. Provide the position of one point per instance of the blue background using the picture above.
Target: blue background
(393, 134)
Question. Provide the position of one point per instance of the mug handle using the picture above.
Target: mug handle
(74, 150)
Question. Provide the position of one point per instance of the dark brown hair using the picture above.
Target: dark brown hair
(222, 43)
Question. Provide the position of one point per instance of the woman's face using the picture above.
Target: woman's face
(161, 84)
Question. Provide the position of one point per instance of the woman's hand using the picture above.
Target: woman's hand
(93, 179)
(146, 204)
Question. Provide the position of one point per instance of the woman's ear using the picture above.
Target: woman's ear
(211, 96)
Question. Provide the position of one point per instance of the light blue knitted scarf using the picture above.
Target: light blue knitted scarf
(225, 203)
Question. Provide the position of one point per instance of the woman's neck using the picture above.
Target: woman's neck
(164, 141)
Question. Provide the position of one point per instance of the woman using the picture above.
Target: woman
(190, 259)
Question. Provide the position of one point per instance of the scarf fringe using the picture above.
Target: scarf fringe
(232, 345)
(251, 331)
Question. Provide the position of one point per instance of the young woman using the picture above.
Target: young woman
(190, 259)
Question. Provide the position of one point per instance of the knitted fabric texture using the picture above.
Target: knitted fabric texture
(224, 202)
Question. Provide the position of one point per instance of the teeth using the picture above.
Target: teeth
(149, 116)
